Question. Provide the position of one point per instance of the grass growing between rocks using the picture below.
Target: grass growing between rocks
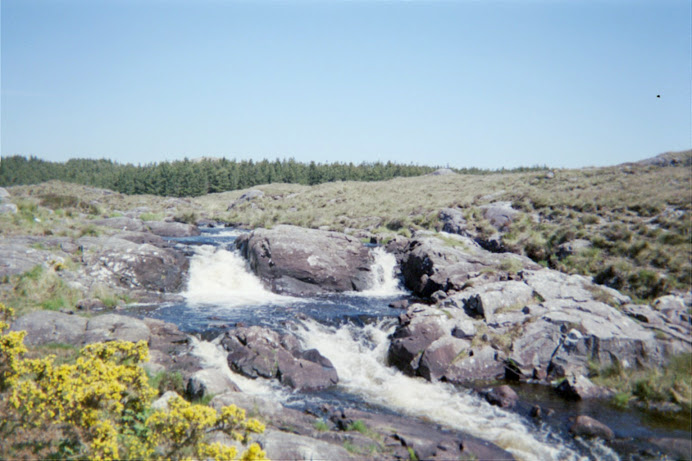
(635, 218)
(670, 384)
(40, 287)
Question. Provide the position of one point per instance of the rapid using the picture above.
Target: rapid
(351, 330)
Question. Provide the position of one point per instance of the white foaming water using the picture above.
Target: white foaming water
(212, 355)
(384, 281)
(228, 232)
(220, 277)
(362, 371)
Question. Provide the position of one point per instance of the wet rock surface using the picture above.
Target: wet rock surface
(258, 352)
(299, 261)
(372, 436)
(586, 426)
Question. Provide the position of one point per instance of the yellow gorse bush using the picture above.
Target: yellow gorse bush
(100, 407)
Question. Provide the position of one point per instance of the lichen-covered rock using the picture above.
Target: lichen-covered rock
(295, 260)
(119, 262)
(430, 264)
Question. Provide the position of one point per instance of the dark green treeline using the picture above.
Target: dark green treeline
(188, 178)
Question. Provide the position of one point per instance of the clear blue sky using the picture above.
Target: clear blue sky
(485, 83)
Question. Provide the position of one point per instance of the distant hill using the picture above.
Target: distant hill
(681, 158)
(192, 178)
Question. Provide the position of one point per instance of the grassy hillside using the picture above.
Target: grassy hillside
(636, 216)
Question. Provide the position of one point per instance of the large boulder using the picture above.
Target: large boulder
(209, 381)
(586, 426)
(259, 352)
(110, 327)
(119, 262)
(17, 255)
(294, 260)
(430, 264)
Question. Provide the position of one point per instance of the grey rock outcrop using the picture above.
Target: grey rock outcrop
(572, 247)
(581, 388)
(453, 221)
(259, 352)
(110, 327)
(291, 434)
(295, 260)
(500, 214)
(169, 348)
(44, 327)
(117, 262)
(248, 196)
(429, 264)
(532, 324)
(17, 255)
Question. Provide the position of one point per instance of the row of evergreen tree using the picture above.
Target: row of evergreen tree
(188, 178)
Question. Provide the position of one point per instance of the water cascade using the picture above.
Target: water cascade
(384, 280)
(221, 284)
(359, 357)
(220, 277)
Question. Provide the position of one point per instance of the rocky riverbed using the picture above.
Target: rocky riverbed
(476, 318)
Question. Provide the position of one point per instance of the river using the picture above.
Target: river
(352, 330)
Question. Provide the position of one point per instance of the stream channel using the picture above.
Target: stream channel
(352, 331)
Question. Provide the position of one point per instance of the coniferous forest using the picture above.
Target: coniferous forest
(190, 178)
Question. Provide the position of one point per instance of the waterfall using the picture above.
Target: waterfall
(384, 281)
(221, 277)
(359, 355)
(213, 355)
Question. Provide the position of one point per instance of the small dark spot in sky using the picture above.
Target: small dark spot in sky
(658, 95)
